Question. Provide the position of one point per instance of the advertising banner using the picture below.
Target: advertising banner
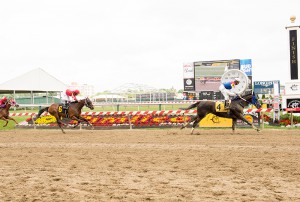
(293, 103)
(189, 84)
(266, 87)
(188, 70)
(208, 73)
(188, 77)
(292, 88)
(246, 66)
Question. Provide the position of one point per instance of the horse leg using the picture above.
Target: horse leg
(241, 117)
(190, 121)
(233, 125)
(13, 120)
(80, 119)
(59, 123)
(4, 119)
(198, 119)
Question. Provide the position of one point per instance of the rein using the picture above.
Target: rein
(245, 100)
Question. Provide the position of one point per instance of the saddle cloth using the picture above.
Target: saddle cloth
(220, 106)
(62, 109)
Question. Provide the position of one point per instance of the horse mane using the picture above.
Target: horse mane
(243, 96)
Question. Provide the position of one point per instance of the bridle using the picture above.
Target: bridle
(11, 102)
(86, 103)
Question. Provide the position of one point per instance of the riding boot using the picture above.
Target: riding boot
(226, 104)
(66, 106)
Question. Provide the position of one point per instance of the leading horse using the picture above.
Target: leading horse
(4, 112)
(73, 112)
(235, 112)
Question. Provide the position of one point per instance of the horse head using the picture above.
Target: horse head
(88, 103)
(11, 102)
(255, 101)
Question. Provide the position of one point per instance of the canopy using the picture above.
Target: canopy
(35, 81)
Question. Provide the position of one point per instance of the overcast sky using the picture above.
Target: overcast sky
(113, 42)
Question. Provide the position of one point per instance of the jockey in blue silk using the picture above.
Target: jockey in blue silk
(225, 90)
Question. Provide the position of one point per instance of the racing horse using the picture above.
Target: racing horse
(4, 112)
(235, 110)
(73, 112)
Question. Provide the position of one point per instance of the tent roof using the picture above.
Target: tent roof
(36, 80)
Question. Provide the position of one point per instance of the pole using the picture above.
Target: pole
(292, 119)
(129, 120)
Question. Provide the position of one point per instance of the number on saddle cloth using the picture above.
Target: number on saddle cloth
(63, 108)
(220, 106)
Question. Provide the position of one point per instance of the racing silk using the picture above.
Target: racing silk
(70, 93)
(228, 85)
(2, 104)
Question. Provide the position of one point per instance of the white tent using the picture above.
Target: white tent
(35, 81)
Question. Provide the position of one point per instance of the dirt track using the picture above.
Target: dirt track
(146, 165)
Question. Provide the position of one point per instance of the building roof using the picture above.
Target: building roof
(36, 80)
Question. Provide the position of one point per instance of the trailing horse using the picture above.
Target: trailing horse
(4, 112)
(73, 112)
(235, 111)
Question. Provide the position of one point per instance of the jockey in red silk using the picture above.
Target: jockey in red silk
(2, 102)
(72, 94)
(225, 90)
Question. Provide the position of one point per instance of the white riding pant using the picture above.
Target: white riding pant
(67, 98)
(226, 93)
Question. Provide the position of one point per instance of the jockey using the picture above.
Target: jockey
(2, 102)
(225, 90)
(70, 96)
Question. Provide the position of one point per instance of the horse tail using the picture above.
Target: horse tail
(42, 111)
(191, 106)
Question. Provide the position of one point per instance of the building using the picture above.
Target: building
(85, 89)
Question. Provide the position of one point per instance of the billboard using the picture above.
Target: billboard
(246, 66)
(188, 77)
(266, 87)
(208, 73)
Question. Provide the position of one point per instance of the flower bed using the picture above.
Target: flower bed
(112, 120)
(285, 119)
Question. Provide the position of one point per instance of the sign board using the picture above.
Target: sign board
(246, 66)
(292, 88)
(188, 70)
(266, 87)
(293, 103)
(208, 73)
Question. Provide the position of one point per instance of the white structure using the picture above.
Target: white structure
(291, 98)
(85, 89)
(35, 81)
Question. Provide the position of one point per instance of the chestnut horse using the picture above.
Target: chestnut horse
(235, 112)
(4, 112)
(73, 112)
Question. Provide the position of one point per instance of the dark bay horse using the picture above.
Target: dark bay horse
(74, 112)
(236, 110)
(4, 112)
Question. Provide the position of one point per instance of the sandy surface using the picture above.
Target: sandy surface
(150, 165)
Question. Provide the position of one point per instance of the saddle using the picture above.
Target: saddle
(220, 107)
